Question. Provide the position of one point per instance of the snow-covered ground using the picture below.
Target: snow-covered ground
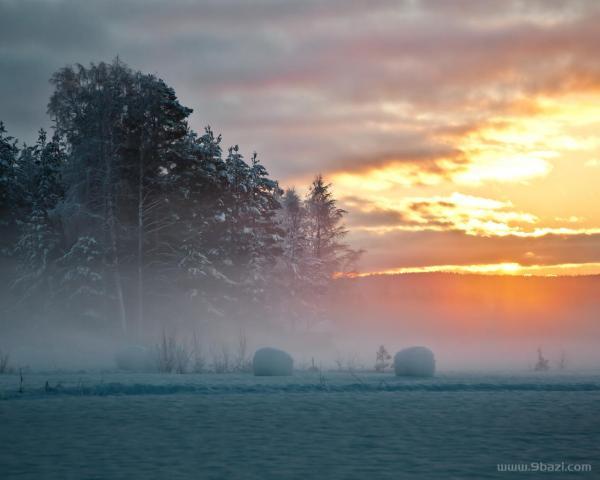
(338, 425)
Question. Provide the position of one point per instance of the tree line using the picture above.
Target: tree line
(123, 216)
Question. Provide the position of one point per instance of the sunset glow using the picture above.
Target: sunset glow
(568, 269)
(454, 133)
(501, 182)
(317, 239)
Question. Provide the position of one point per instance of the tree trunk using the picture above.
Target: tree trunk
(140, 244)
(112, 231)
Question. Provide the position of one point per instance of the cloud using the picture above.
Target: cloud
(421, 248)
(471, 215)
(400, 103)
(279, 68)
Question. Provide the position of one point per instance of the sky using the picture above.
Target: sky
(460, 136)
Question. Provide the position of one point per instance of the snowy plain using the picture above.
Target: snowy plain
(309, 425)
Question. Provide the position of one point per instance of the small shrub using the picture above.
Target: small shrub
(242, 363)
(166, 353)
(221, 362)
(382, 359)
(181, 358)
(197, 358)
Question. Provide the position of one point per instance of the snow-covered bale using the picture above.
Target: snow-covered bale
(135, 358)
(415, 361)
(272, 361)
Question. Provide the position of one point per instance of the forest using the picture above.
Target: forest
(122, 219)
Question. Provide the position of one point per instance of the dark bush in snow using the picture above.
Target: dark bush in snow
(272, 361)
(415, 361)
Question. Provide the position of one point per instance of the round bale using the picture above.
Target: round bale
(415, 361)
(272, 362)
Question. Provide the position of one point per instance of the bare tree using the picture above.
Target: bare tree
(542, 365)
(242, 363)
(4, 362)
(182, 358)
(198, 360)
(221, 360)
(382, 359)
(165, 352)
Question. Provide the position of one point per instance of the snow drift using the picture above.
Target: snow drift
(415, 361)
(272, 361)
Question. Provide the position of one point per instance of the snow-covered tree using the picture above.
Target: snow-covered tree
(313, 253)
(79, 280)
(196, 203)
(123, 129)
(325, 230)
(329, 256)
(8, 159)
(8, 156)
(292, 285)
(246, 229)
(38, 245)
(88, 108)
(155, 125)
(127, 217)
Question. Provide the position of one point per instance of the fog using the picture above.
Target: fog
(472, 323)
(125, 234)
(476, 321)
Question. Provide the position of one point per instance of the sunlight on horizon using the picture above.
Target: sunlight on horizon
(511, 176)
(508, 268)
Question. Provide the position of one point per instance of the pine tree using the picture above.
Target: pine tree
(88, 108)
(196, 203)
(327, 255)
(326, 231)
(38, 244)
(124, 130)
(156, 125)
(325, 228)
(250, 233)
(127, 215)
(291, 288)
(293, 222)
(8, 157)
(80, 282)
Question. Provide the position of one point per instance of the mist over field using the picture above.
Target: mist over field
(478, 321)
(472, 322)
(299, 240)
